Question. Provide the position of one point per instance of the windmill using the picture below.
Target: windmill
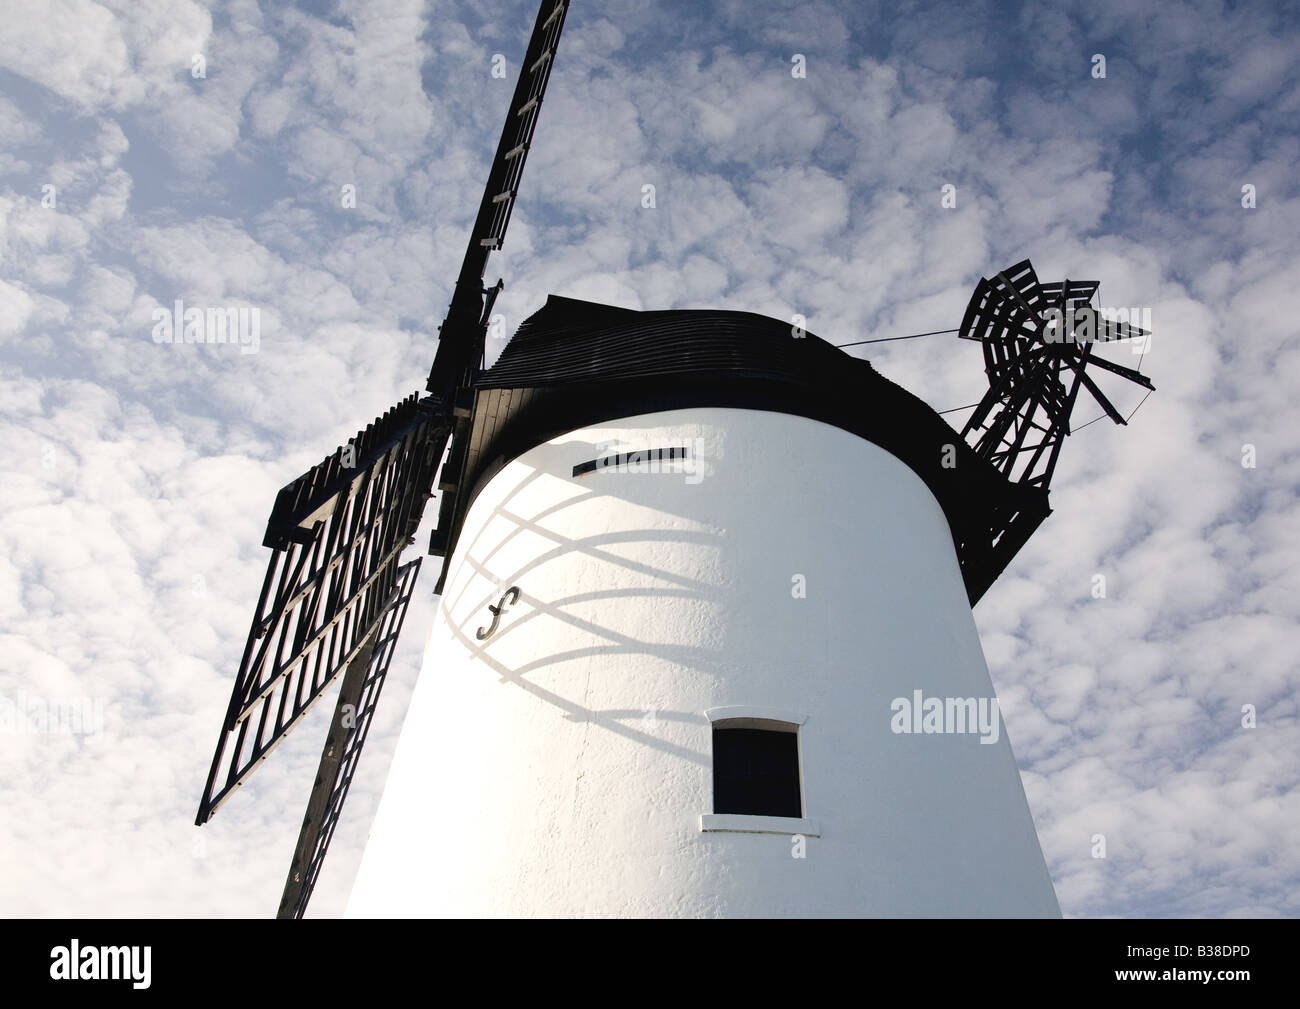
(547, 567)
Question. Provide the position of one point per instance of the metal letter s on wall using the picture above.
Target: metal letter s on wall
(512, 594)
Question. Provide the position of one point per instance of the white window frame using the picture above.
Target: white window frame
(744, 716)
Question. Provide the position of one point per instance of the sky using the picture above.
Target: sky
(138, 475)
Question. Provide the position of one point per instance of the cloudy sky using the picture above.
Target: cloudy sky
(137, 476)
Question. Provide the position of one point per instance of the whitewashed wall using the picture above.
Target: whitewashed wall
(561, 767)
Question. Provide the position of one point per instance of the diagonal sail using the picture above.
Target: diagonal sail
(460, 344)
(335, 534)
(335, 594)
(349, 727)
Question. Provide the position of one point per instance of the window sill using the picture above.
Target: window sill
(739, 823)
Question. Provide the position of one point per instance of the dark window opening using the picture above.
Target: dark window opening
(756, 772)
(649, 458)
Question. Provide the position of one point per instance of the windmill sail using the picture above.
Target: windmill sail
(335, 593)
(349, 727)
(336, 533)
(460, 344)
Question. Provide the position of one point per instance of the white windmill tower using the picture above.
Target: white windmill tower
(704, 644)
